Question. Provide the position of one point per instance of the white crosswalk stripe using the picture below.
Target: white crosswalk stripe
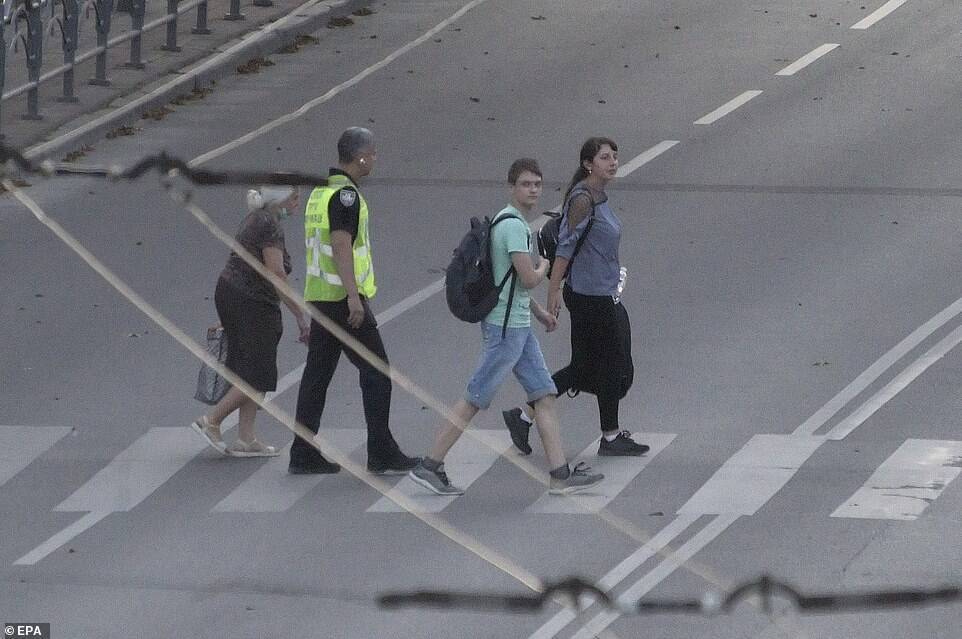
(20, 445)
(465, 463)
(752, 476)
(907, 482)
(135, 473)
(618, 471)
(271, 489)
(127, 480)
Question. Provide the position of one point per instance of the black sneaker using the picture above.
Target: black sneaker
(396, 463)
(319, 466)
(518, 428)
(622, 446)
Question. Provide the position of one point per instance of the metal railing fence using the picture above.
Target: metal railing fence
(25, 22)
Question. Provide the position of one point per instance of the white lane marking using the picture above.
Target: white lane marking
(907, 482)
(822, 415)
(142, 102)
(20, 445)
(807, 59)
(271, 489)
(136, 472)
(61, 538)
(893, 388)
(728, 107)
(878, 14)
(127, 480)
(752, 476)
(256, 133)
(873, 372)
(467, 461)
(410, 302)
(618, 471)
(628, 565)
(674, 561)
(626, 169)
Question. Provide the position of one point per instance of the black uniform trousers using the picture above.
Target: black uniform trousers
(323, 353)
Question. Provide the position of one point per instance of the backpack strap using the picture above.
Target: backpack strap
(581, 238)
(507, 312)
(511, 273)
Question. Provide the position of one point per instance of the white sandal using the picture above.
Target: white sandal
(255, 448)
(209, 432)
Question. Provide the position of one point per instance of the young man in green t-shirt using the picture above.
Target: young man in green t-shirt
(516, 350)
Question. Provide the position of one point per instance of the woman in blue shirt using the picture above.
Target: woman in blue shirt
(600, 334)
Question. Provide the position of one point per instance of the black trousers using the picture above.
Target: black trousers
(323, 354)
(593, 323)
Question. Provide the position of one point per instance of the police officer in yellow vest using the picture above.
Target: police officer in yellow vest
(340, 281)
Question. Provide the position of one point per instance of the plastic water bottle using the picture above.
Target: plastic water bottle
(622, 276)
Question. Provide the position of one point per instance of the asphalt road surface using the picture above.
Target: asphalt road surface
(792, 233)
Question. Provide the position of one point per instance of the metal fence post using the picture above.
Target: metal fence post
(103, 9)
(3, 61)
(171, 44)
(70, 29)
(201, 28)
(235, 13)
(137, 9)
(34, 51)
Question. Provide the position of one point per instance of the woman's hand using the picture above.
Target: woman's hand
(554, 301)
(549, 321)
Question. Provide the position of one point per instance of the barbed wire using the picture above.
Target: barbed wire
(765, 588)
(164, 164)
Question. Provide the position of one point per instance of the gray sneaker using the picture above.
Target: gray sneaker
(434, 480)
(579, 479)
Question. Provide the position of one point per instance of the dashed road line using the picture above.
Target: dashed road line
(626, 169)
(728, 107)
(807, 59)
(307, 106)
(878, 14)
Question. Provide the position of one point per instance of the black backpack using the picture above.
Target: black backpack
(549, 233)
(469, 280)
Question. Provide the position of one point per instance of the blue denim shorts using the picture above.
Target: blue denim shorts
(520, 352)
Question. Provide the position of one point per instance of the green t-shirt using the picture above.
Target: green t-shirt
(510, 236)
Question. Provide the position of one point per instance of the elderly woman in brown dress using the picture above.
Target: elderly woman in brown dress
(248, 306)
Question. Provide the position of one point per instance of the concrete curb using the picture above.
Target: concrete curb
(269, 38)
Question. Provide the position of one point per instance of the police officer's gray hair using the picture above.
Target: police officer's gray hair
(352, 142)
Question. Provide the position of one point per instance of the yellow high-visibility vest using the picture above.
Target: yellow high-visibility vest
(322, 283)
